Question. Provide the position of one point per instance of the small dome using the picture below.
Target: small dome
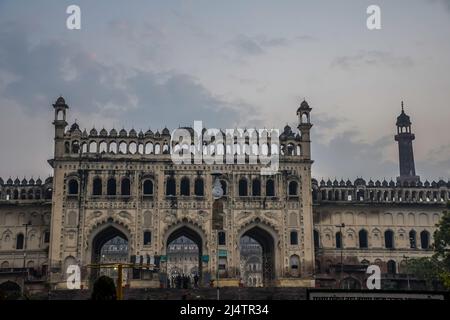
(157, 134)
(141, 134)
(329, 183)
(442, 183)
(122, 133)
(391, 184)
(385, 183)
(322, 183)
(10, 181)
(420, 184)
(297, 137)
(371, 184)
(93, 132)
(378, 183)
(113, 133)
(426, 184)
(348, 183)
(60, 100)
(103, 132)
(31, 181)
(342, 183)
(434, 184)
(149, 133)
(24, 182)
(314, 182)
(84, 134)
(303, 106)
(335, 183)
(166, 131)
(74, 127)
(49, 180)
(17, 181)
(360, 182)
(38, 181)
(287, 129)
(132, 133)
(403, 119)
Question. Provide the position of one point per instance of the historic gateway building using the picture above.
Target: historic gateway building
(117, 196)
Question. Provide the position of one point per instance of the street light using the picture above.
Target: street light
(340, 226)
(217, 193)
(407, 270)
(25, 253)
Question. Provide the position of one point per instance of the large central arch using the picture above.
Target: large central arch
(192, 233)
(101, 236)
(266, 238)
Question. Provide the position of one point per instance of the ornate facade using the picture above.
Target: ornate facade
(124, 184)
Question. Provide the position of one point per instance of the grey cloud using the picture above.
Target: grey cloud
(372, 58)
(43, 71)
(256, 45)
(346, 157)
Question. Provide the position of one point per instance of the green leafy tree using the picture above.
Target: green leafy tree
(436, 268)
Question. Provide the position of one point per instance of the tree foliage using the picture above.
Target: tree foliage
(437, 267)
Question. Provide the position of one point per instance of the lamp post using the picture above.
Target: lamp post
(340, 226)
(407, 270)
(25, 253)
(217, 193)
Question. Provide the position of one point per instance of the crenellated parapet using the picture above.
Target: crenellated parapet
(25, 190)
(398, 192)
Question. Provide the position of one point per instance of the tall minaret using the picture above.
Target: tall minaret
(404, 137)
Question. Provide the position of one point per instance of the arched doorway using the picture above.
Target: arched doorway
(109, 246)
(184, 247)
(9, 290)
(257, 244)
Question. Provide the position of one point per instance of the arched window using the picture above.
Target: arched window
(185, 187)
(294, 238)
(170, 187)
(412, 239)
(97, 187)
(338, 240)
(256, 188)
(425, 240)
(270, 188)
(222, 238)
(224, 187)
(16, 194)
(125, 187)
(316, 240)
(293, 186)
(148, 187)
(389, 239)
(243, 187)
(363, 243)
(147, 238)
(46, 236)
(199, 189)
(111, 188)
(19, 241)
(391, 267)
(73, 186)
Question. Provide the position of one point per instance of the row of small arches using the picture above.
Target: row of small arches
(389, 242)
(148, 148)
(171, 187)
(380, 195)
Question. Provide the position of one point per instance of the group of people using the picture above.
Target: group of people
(182, 281)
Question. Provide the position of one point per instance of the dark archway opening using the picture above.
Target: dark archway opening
(257, 242)
(110, 246)
(10, 291)
(184, 258)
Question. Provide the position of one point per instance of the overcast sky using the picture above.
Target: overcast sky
(150, 64)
